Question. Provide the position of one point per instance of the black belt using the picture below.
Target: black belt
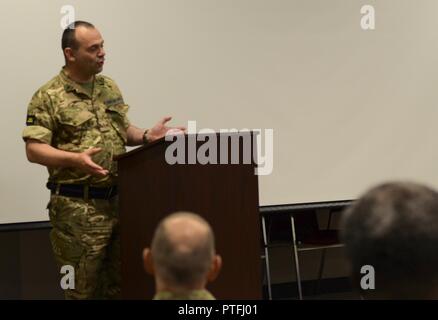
(82, 191)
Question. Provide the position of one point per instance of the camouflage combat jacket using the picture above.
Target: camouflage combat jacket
(65, 115)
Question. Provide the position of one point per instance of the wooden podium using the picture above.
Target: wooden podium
(226, 195)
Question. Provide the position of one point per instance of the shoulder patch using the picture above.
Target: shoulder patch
(30, 120)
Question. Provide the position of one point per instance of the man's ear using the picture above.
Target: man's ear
(148, 263)
(215, 268)
(69, 55)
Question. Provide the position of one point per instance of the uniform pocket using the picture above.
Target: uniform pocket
(73, 122)
(66, 241)
(67, 249)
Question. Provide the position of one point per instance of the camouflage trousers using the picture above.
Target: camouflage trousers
(86, 236)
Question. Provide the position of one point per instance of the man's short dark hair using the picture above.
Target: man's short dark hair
(394, 228)
(68, 36)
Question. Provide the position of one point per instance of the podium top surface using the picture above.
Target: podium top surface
(139, 149)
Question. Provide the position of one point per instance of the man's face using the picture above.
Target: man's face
(90, 55)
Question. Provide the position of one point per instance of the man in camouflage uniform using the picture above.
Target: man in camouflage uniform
(182, 258)
(76, 124)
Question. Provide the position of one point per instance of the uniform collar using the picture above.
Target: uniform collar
(72, 86)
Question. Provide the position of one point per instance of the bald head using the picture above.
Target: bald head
(185, 231)
(183, 249)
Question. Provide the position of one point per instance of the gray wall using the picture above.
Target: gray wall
(349, 108)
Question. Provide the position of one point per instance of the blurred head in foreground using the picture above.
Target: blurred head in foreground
(391, 238)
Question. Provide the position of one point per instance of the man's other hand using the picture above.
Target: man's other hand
(160, 129)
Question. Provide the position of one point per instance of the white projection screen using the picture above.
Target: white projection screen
(349, 107)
